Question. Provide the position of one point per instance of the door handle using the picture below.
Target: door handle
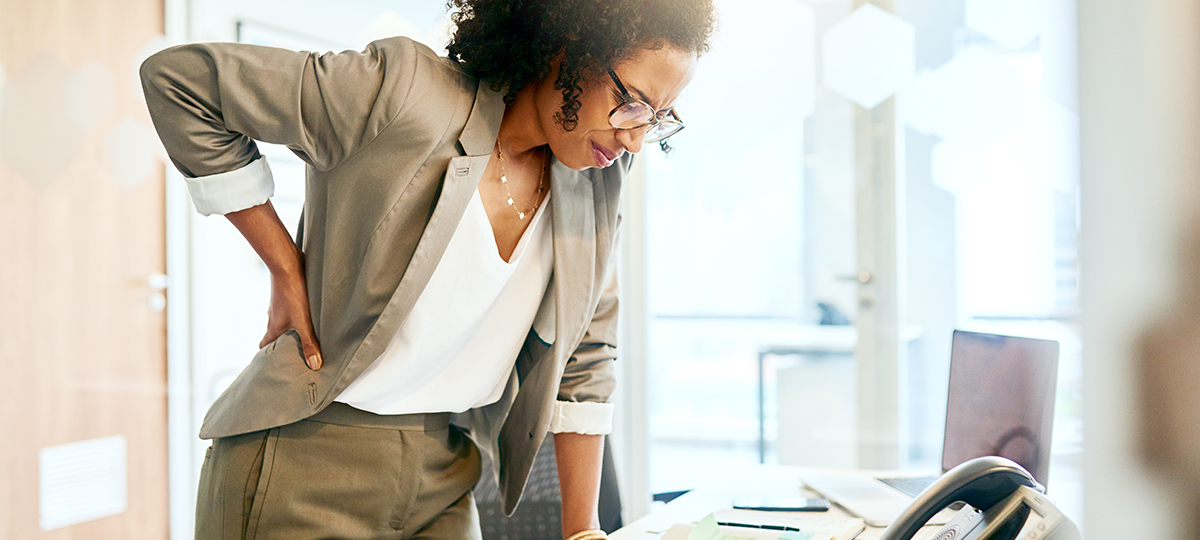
(861, 277)
(158, 283)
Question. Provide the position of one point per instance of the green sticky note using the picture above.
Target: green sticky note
(707, 529)
(793, 535)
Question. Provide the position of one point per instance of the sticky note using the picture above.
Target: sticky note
(707, 529)
(793, 535)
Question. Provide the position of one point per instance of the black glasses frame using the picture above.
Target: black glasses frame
(671, 116)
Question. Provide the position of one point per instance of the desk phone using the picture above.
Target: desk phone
(1003, 502)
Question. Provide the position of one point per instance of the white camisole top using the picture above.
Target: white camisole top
(459, 344)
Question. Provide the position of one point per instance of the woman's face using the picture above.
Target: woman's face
(655, 76)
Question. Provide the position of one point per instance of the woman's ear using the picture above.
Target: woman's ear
(555, 67)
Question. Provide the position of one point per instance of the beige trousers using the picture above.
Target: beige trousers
(345, 474)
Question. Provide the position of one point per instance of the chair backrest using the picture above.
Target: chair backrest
(539, 514)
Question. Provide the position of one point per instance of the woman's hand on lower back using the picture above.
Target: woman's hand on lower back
(289, 289)
(289, 311)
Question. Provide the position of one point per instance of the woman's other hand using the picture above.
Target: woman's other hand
(289, 311)
(289, 291)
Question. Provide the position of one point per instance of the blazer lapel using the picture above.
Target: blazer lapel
(477, 139)
(574, 223)
(527, 418)
(462, 178)
(479, 134)
(459, 184)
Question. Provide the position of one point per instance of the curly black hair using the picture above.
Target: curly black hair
(510, 43)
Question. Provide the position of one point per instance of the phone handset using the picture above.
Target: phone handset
(999, 493)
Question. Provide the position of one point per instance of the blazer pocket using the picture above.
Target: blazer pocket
(290, 334)
(285, 353)
(280, 367)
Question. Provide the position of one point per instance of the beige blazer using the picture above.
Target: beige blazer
(396, 140)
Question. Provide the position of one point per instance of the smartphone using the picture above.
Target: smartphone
(781, 504)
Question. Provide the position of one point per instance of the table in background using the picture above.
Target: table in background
(717, 491)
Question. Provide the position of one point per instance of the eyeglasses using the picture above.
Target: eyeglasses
(634, 113)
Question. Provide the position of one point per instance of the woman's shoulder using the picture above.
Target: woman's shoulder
(433, 82)
(435, 96)
(406, 49)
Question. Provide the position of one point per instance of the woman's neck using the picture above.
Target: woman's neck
(520, 132)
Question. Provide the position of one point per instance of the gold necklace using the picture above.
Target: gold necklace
(504, 180)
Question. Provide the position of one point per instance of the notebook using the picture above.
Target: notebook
(754, 525)
(1000, 402)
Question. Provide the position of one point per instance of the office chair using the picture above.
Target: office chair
(539, 515)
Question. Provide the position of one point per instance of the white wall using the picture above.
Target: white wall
(1139, 88)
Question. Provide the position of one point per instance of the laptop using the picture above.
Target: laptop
(1000, 402)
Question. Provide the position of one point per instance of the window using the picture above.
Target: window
(755, 224)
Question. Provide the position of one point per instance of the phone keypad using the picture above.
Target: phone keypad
(948, 534)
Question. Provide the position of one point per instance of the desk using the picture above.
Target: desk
(717, 491)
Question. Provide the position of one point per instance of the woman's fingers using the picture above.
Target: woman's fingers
(308, 342)
(275, 329)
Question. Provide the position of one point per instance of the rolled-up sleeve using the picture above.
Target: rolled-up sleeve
(588, 418)
(231, 191)
(210, 102)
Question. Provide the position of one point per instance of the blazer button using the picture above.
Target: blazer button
(530, 434)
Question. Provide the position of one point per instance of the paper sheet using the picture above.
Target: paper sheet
(708, 529)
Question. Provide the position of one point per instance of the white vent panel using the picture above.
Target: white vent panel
(81, 481)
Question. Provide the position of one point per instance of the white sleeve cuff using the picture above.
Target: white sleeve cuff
(587, 418)
(234, 190)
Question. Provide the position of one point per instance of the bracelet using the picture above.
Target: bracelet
(591, 534)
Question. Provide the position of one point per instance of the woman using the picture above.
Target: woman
(452, 283)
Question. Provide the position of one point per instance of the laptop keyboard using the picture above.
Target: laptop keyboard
(910, 485)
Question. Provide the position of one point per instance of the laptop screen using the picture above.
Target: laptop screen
(1001, 400)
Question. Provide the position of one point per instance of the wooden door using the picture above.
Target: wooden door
(82, 328)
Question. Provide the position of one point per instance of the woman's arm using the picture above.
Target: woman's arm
(583, 414)
(579, 459)
(289, 293)
(211, 101)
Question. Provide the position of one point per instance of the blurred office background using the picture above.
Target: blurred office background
(857, 180)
